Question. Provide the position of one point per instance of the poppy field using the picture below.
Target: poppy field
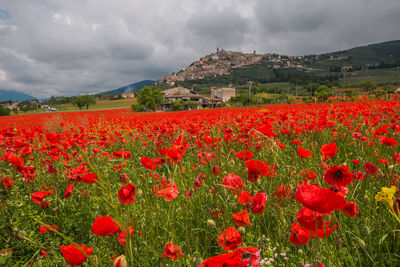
(281, 185)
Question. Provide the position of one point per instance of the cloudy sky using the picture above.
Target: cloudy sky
(69, 47)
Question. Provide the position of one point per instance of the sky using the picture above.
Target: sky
(71, 47)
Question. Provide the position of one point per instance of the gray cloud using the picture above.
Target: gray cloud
(70, 47)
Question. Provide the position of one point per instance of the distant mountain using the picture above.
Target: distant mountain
(225, 67)
(13, 95)
(129, 88)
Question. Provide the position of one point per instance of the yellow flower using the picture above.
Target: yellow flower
(386, 195)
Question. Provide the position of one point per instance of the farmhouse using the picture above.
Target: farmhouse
(128, 95)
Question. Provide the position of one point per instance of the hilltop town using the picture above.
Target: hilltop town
(222, 62)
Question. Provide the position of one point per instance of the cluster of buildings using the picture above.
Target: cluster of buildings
(219, 96)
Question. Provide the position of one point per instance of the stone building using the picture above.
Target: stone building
(223, 93)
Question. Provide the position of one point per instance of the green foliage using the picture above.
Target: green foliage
(150, 98)
(138, 107)
(84, 100)
(323, 93)
(368, 84)
(4, 111)
(350, 93)
(242, 100)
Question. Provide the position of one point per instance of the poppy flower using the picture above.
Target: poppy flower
(350, 209)
(258, 202)
(244, 198)
(244, 155)
(304, 153)
(340, 176)
(43, 229)
(89, 178)
(267, 130)
(123, 235)
(241, 257)
(68, 192)
(126, 194)
(329, 150)
(370, 169)
(73, 256)
(309, 219)
(299, 235)
(39, 196)
(241, 218)
(172, 251)
(388, 141)
(282, 192)
(319, 199)
(169, 190)
(323, 232)
(230, 239)
(103, 226)
(256, 169)
(7, 183)
(232, 182)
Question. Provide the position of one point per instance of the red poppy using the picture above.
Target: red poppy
(89, 178)
(370, 169)
(309, 219)
(39, 196)
(282, 192)
(329, 150)
(73, 256)
(241, 218)
(244, 155)
(299, 235)
(350, 209)
(256, 169)
(358, 175)
(304, 153)
(241, 257)
(233, 182)
(323, 232)
(123, 235)
(230, 239)
(267, 130)
(244, 198)
(103, 226)
(169, 190)
(258, 202)
(126, 194)
(68, 192)
(172, 251)
(7, 183)
(296, 142)
(43, 229)
(152, 164)
(319, 199)
(396, 205)
(388, 141)
(340, 176)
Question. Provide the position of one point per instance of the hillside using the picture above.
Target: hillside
(129, 88)
(225, 67)
(13, 95)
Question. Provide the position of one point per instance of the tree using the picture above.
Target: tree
(84, 100)
(150, 98)
(368, 84)
(4, 111)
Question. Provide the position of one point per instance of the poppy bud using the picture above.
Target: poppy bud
(139, 193)
(361, 243)
(120, 262)
(242, 230)
(211, 223)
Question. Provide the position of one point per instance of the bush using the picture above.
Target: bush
(138, 107)
(4, 111)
